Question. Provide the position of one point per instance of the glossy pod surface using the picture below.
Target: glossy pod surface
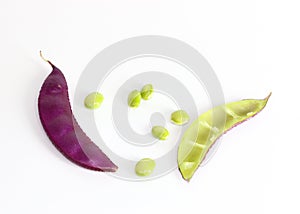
(62, 128)
(209, 126)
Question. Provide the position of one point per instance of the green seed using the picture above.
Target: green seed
(134, 99)
(93, 100)
(180, 117)
(160, 132)
(145, 167)
(147, 92)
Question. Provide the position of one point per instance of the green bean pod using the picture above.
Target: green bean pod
(205, 131)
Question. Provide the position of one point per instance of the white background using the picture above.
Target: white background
(254, 48)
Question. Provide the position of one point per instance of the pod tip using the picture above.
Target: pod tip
(268, 96)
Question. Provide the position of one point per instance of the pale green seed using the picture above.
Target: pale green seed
(145, 167)
(147, 92)
(134, 99)
(160, 132)
(93, 100)
(180, 117)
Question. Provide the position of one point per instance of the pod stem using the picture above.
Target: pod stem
(46, 60)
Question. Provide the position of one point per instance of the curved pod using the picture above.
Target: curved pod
(62, 128)
(205, 131)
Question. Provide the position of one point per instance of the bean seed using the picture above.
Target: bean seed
(134, 99)
(160, 132)
(147, 92)
(93, 100)
(145, 167)
(180, 117)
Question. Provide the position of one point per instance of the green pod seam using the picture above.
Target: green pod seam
(208, 127)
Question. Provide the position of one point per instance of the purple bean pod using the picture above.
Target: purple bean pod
(62, 128)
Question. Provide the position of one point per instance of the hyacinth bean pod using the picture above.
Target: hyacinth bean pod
(62, 128)
(205, 131)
